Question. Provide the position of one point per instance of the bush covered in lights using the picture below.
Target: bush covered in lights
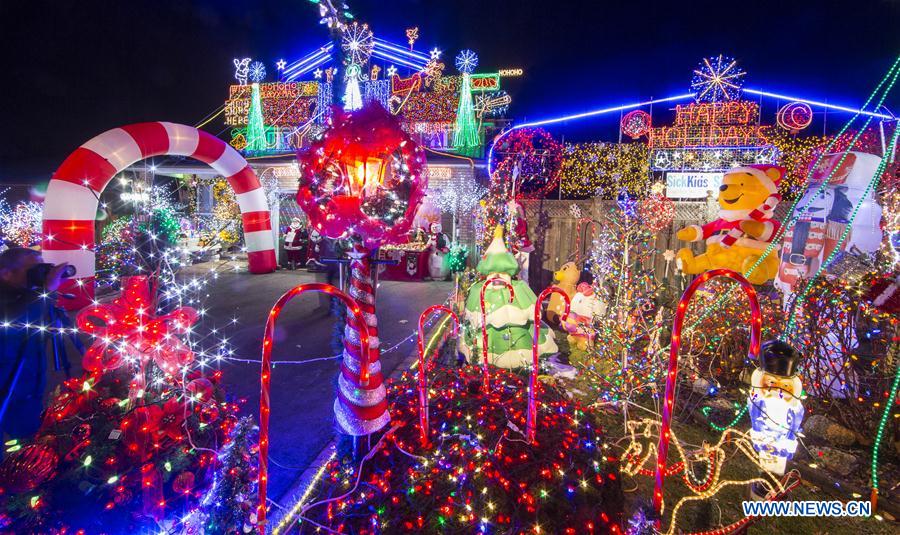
(478, 473)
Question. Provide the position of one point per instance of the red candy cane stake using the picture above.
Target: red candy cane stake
(266, 373)
(484, 338)
(755, 328)
(423, 379)
(531, 424)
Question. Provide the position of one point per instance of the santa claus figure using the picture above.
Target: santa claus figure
(774, 405)
(519, 242)
(440, 246)
(314, 251)
(295, 241)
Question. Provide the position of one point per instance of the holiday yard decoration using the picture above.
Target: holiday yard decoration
(357, 365)
(737, 239)
(775, 408)
(839, 200)
(566, 279)
(72, 196)
(669, 397)
(362, 181)
(133, 443)
(478, 472)
(508, 321)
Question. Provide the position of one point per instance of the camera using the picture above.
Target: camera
(37, 274)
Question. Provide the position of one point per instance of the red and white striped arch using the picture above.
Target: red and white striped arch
(70, 206)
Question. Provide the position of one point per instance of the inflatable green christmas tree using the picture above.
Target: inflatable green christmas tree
(509, 324)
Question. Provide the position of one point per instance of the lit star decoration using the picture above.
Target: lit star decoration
(257, 72)
(391, 71)
(466, 61)
(717, 79)
(280, 64)
(411, 35)
(317, 73)
(435, 53)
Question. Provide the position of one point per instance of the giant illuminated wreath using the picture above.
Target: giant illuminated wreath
(364, 178)
(527, 163)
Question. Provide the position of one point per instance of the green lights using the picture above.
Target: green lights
(256, 129)
(466, 136)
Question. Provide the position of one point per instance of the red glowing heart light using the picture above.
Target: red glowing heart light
(364, 178)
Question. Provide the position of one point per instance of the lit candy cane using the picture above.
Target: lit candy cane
(423, 380)
(265, 376)
(531, 423)
(755, 328)
(484, 337)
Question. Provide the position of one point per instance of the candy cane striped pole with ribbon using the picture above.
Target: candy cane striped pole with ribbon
(266, 376)
(361, 409)
(423, 370)
(73, 194)
(531, 422)
(484, 336)
(669, 398)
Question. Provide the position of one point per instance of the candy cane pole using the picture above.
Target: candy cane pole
(531, 423)
(266, 374)
(361, 409)
(484, 337)
(677, 326)
(423, 379)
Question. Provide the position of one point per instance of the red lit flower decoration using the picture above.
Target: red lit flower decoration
(363, 178)
(526, 162)
(129, 326)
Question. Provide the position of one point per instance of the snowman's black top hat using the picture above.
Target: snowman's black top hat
(779, 358)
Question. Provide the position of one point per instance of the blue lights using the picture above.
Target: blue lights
(817, 103)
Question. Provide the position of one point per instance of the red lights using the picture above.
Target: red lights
(677, 326)
(423, 370)
(531, 424)
(265, 375)
(484, 337)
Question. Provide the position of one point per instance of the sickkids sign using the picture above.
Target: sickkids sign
(687, 185)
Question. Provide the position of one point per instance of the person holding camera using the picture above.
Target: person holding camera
(26, 288)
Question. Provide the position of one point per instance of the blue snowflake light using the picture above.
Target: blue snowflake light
(717, 79)
(257, 71)
(466, 61)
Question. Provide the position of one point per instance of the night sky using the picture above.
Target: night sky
(75, 69)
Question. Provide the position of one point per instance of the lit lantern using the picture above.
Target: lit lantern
(365, 176)
(364, 181)
(775, 407)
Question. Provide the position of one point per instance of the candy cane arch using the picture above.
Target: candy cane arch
(531, 423)
(266, 375)
(484, 336)
(677, 326)
(73, 193)
(423, 379)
